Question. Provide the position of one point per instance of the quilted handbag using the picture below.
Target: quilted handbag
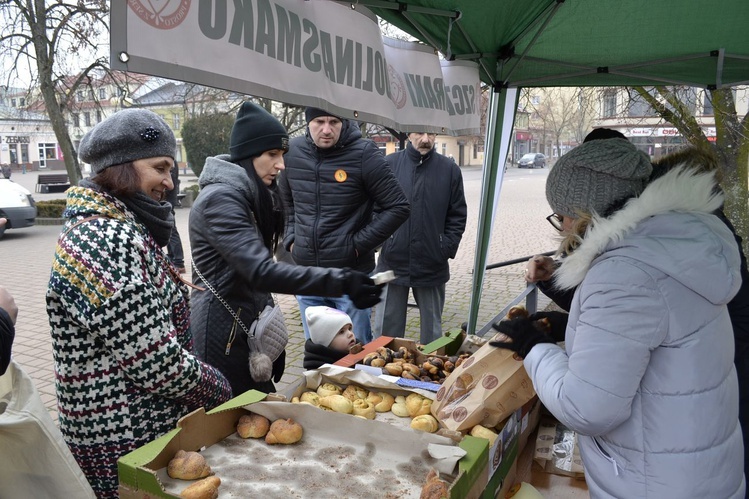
(268, 332)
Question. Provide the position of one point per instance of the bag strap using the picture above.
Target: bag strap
(221, 299)
(79, 222)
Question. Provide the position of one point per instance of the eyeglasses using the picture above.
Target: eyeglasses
(555, 221)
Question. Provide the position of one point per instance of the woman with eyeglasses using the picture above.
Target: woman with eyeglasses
(646, 377)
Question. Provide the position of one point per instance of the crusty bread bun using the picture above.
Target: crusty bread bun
(188, 465)
(284, 431)
(253, 426)
(206, 488)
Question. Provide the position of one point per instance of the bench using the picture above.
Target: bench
(52, 182)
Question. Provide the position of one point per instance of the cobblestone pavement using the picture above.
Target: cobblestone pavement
(519, 230)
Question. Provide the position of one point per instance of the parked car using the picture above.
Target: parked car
(532, 160)
(17, 205)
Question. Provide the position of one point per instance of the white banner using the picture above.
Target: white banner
(309, 53)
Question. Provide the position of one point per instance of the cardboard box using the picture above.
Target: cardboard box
(449, 344)
(142, 473)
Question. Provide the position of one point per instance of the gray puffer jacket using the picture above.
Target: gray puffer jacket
(229, 251)
(647, 378)
(330, 196)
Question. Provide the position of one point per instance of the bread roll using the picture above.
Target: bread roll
(311, 398)
(253, 426)
(483, 432)
(355, 393)
(418, 405)
(425, 422)
(338, 403)
(284, 431)
(400, 409)
(328, 389)
(434, 488)
(206, 488)
(382, 401)
(363, 408)
(393, 369)
(188, 465)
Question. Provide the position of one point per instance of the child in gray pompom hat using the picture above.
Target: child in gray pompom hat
(125, 136)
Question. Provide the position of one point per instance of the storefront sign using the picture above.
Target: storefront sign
(11, 139)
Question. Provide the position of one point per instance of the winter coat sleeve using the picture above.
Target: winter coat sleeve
(228, 225)
(455, 221)
(7, 334)
(288, 202)
(383, 188)
(590, 387)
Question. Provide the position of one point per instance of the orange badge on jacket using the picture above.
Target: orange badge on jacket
(340, 175)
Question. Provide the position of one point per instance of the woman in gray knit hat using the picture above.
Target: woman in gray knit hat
(118, 310)
(646, 377)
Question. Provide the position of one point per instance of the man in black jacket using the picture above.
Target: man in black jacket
(174, 248)
(333, 182)
(418, 252)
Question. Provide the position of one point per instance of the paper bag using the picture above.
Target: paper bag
(485, 389)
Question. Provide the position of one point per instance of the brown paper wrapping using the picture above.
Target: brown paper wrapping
(485, 389)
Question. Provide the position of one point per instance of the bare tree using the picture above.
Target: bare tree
(676, 106)
(45, 37)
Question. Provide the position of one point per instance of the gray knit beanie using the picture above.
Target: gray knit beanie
(595, 175)
(125, 136)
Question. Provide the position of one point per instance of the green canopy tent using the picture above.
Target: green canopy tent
(534, 43)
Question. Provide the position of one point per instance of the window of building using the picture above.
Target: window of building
(80, 96)
(87, 118)
(24, 153)
(102, 93)
(46, 151)
(98, 115)
(22, 101)
(76, 119)
(175, 121)
(535, 100)
(12, 102)
(707, 105)
(638, 106)
(609, 103)
(444, 149)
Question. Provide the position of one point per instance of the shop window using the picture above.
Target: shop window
(24, 153)
(13, 150)
(46, 151)
(609, 103)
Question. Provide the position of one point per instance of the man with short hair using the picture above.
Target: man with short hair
(333, 183)
(418, 252)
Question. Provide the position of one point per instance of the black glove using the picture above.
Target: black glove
(557, 322)
(279, 365)
(524, 335)
(362, 290)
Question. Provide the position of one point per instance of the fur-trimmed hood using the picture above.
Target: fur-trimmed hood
(677, 206)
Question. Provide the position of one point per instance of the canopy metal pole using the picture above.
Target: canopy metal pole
(496, 146)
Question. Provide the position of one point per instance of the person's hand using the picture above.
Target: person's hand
(8, 304)
(523, 333)
(362, 290)
(557, 322)
(539, 268)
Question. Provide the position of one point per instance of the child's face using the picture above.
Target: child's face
(344, 340)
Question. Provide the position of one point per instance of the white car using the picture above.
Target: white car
(17, 205)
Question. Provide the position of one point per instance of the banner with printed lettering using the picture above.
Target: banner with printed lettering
(309, 53)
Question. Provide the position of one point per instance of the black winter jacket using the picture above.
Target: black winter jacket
(229, 251)
(419, 250)
(316, 355)
(330, 195)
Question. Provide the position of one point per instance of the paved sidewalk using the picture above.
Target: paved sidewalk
(519, 229)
